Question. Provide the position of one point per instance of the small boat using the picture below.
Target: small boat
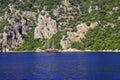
(51, 50)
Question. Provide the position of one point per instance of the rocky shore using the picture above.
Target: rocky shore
(71, 51)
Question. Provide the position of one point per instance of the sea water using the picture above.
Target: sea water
(60, 66)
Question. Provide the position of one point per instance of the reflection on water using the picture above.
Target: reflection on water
(73, 66)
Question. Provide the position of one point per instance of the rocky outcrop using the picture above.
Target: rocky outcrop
(46, 26)
(73, 18)
(110, 24)
(19, 13)
(94, 24)
(66, 3)
(29, 15)
(18, 25)
(65, 43)
(76, 36)
(12, 8)
(14, 33)
(63, 13)
(115, 9)
(93, 8)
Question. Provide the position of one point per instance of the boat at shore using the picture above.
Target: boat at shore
(51, 50)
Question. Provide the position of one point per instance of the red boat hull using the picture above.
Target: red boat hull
(51, 51)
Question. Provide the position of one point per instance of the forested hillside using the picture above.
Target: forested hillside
(28, 25)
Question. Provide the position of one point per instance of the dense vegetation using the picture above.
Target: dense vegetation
(30, 5)
(102, 37)
(29, 42)
(4, 3)
(3, 23)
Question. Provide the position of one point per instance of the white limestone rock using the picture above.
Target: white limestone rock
(46, 26)
(93, 24)
(90, 9)
(115, 9)
(65, 43)
(66, 3)
(76, 36)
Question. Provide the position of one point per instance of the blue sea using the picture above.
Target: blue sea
(60, 66)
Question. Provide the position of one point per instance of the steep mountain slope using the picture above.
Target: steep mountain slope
(26, 25)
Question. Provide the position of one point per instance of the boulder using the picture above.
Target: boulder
(115, 9)
(66, 3)
(97, 8)
(90, 9)
(93, 24)
(82, 28)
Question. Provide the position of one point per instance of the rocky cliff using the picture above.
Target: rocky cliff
(33, 24)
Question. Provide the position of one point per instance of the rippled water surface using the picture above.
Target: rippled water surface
(60, 66)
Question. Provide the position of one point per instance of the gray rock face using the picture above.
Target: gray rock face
(46, 26)
(4, 42)
(17, 27)
(24, 26)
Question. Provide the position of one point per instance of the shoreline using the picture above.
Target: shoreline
(65, 51)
